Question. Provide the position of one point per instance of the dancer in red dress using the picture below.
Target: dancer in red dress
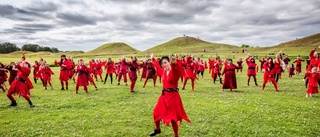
(110, 69)
(230, 80)
(291, 71)
(35, 71)
(71, 70)
(240, 65)
(313, 77)
(298, 65)
(252, 67)
(144, 70)
(90, 78)
(201, 67)
(268, 75)
(82, 79)
(133, 67)
(123, 70)
(19, 85)
(151, 73)
(262, 61)
(190, 72)
(13, 72)
(46, 73)
(64, 73)
(3, 76)
(98, 71)
(169, 108)
(217, 65)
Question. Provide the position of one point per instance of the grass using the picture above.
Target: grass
(114, 111)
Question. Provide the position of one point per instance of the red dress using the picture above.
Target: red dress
(64, 73)
(71, 69)
(298, 65)
(144, 70)
(98, 68)
(190, 71)
(13, 74)
(268, 74)
(82, 79)
(291, 71)
(19, 85)
(133, 67)
(110, 68)
(151, 71)
(3, 76)
(229, 81)
(313, 82)
(35, 71)
(314, 62)
(169, 106)
(251, 68)
(46, 74)
(277, 67)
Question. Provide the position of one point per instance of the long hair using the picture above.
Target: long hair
(271, 63)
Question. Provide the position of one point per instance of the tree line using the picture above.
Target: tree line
(8, 47)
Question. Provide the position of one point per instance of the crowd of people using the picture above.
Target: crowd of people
(169, 71)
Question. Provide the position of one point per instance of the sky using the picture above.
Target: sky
(143, 24)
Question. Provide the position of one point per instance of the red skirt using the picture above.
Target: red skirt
(168, 108)
(189, 74)
(251, 72)
(312, 89)
(19, 88)
(46, 78)
(82, 80)
(29, 83)
(229, 81)
(133, 75)
(98, 72)
(64, 75)
(298, 69)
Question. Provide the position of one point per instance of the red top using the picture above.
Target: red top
(68, 65)
(23, 72)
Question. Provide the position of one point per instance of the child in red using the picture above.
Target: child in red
(133, 67)
(122, 70)
(64, 71)
(110, 69)
(252, 69)
(268, 75)
(19, 85)
(313, 77)
(190, 72)
(82, 79)
(291, 71)
(90, 77)
(46, 73)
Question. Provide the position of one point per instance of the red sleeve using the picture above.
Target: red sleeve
(311, 54)
(50, 71)
(156, 64)
(177, 69)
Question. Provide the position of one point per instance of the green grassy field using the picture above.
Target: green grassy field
(115, 112)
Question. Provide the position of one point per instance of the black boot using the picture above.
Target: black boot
(155, 132)
(31, 104)
(220, 80)
(13, 103)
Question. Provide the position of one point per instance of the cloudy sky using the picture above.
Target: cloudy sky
(87, 24)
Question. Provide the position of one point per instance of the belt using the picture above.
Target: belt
(169, 90)
(21, 79)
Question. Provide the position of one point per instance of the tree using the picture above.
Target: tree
(31, 47)
(245, 46)
(8, 47)
(54, 50)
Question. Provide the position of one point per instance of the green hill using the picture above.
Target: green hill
(190, 45)
(114, 48)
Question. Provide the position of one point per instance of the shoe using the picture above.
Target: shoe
(31, 106)
(51, 88)
(66, 88)
(13, 104)
(96, 88)
(62, 88)
(126, 84)
(118, 84)
(155, 132)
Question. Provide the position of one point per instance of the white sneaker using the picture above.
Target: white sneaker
(51, 88)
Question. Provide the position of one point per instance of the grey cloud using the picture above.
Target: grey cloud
(76, 19)
(40, 6)
(10, 12)
(29, 28)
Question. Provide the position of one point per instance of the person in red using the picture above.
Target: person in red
(144, 70)
(314, 59)
(268, 75)
(82, 79)
(291, 71)
(151, 73)
(252, 67)
(13, 72)
(169, 108)
(201, 67)
(190, 72)
(277, 67)
(110, 69)
(313, 77)
(56, 63)
(123, 70)
(46, 73)
(3, 76)
(240, 65)
(262, 61)
(35, 71)
(71, 70)
(159, 72)
(133, 67)
(64, 73)
(230, 80)
(211, 63)
(217, 65)
(90, 78)
(19, 85)
(98, 71)
(298, 65)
